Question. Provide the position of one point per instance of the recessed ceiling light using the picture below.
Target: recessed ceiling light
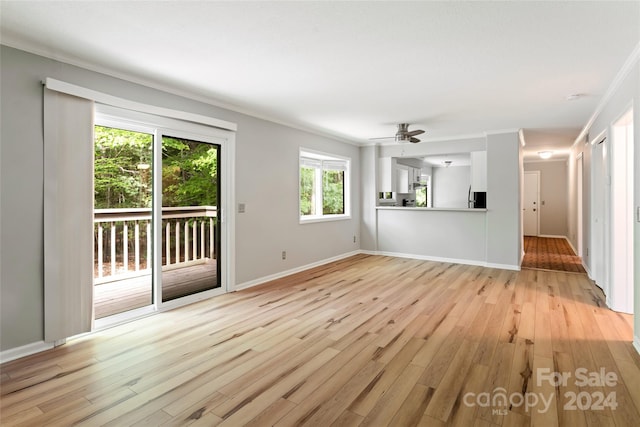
(545, 154)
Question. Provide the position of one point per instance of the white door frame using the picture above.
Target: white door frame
(622, 215)
(579, 201)
(160, 126)
(537, 174)
(600, 200)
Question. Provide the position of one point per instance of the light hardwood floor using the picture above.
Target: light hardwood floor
(369, 341)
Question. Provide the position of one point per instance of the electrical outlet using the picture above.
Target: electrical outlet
(284, 254)
(241, 207)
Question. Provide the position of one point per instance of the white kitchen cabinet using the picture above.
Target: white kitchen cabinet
(402, 178)
(478, 171)
(387, 178)
(395, 177)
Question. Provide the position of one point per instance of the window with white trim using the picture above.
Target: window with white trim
(324, 186)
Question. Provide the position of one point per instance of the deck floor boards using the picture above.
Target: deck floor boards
(128, 294)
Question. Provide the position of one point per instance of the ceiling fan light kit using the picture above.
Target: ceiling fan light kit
(404, 134)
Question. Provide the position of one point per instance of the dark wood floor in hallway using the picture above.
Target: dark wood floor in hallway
(547, 253)
(366, 341)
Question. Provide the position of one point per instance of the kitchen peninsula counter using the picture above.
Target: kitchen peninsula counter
(441, 234)
(416, 208)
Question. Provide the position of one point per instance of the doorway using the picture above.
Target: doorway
(531, 203)
(190, 192)
(599, 214)
(612, 210)
(123, 239)
(159, 241)
(621, 227)
(579, 198)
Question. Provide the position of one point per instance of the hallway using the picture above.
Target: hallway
(545, 253)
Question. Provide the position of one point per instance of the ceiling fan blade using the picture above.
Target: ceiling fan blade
(384, 137)
(414, 140)
(415, 132)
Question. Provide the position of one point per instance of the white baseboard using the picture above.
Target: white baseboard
(552, 236)
(449, 260)
(636, 343)
(25, 350)
(366, 252)
(571, 245)
(431, 258)
(502, 266)
(285, 273)
(281, 274)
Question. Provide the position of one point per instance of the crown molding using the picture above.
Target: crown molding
(521, 137)
(613, 87)
(37, 50)
(501, 131)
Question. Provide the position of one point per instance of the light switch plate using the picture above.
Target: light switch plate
(241, 207)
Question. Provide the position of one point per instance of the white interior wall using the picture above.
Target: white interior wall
(451, 186)
(368, 197)
(626, 94)
(504, 232)
(553, 196)
(451, 236)
(580, 148)
(496, 240)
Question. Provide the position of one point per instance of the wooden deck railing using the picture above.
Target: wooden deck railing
(123, 240)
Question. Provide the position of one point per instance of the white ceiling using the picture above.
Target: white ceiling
(354, 69)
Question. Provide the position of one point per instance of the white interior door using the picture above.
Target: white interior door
(600, 199)
(531, 204)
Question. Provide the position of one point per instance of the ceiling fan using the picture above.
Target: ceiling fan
(404, 134)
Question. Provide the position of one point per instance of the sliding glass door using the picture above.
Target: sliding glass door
(123, 197)
(190, 238)
(158, 237)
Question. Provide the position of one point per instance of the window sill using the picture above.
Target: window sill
(326, 218)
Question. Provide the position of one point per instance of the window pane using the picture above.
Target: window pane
(307, 191)
(190, 200)
(421, 197)
(123, 171)
(332, 192)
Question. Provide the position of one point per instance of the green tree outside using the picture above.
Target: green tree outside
(122, 174)
(123, 171)
(332, 192)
